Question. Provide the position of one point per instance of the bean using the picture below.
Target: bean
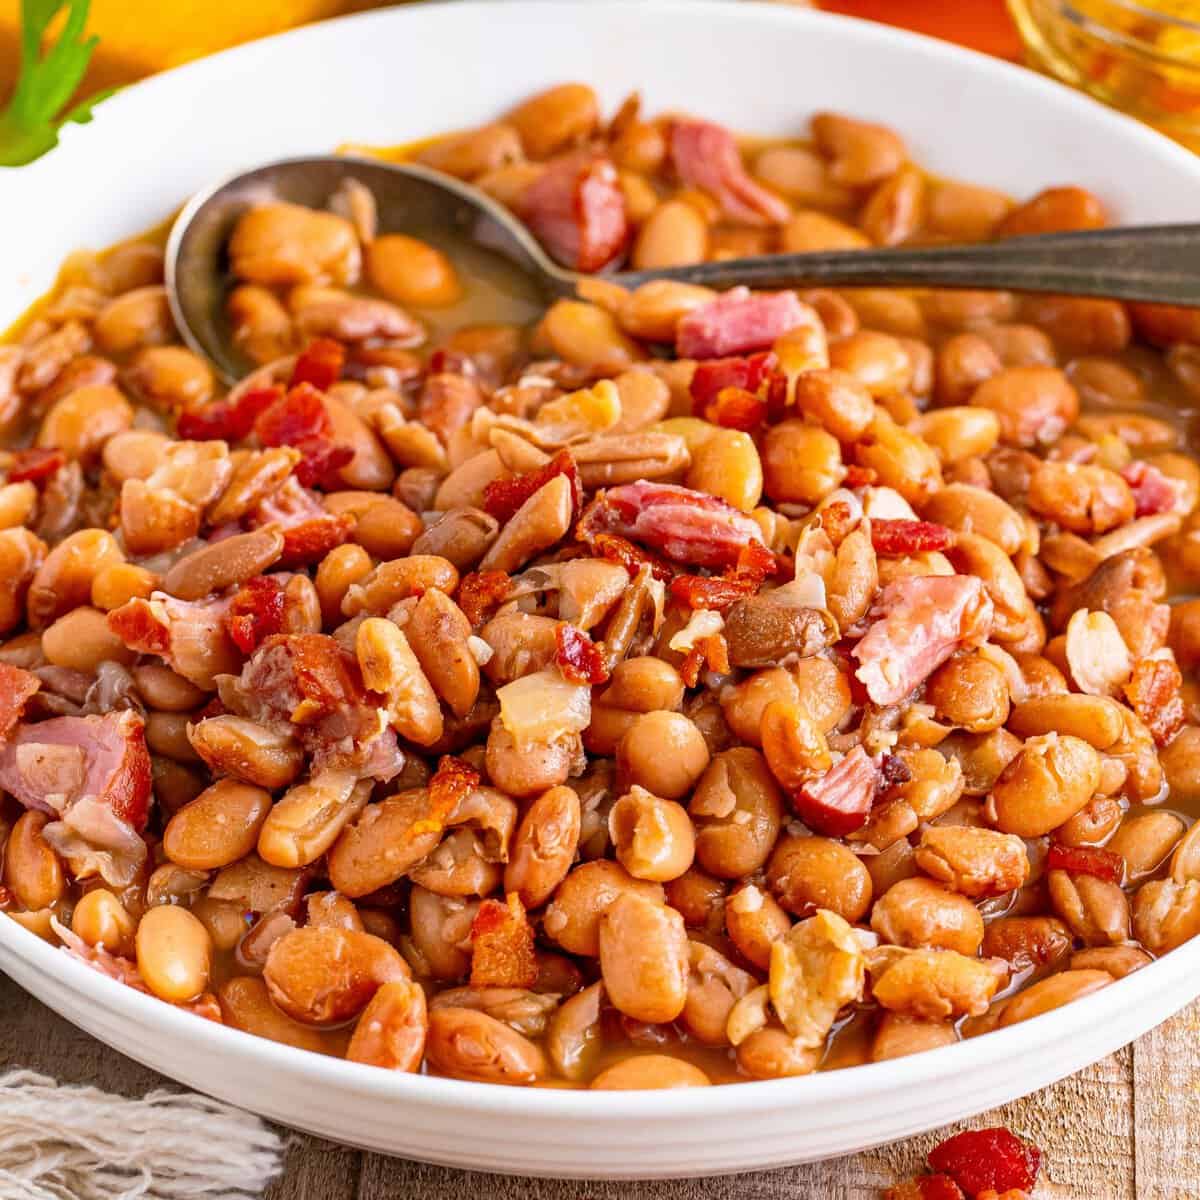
(63, 581)
(383, 843)
(800, 463)
(643, 958)
(860, 152)
(81, 640)
(1095, 910)
(899, 1036)
(653, 838)
(921, 914)
(558, 117)
(738, 810)
(810, 873)
(815, 231)
(663, 752)
(104, 922)
(246, 1005)
(543, 846)
(674, 235)
(140, 317)
(474, 153)
(467, 1044)
(291, 244)
(1054, 210)
(650, 1071)
(384, 527)
(727, 466)
(323, 976)
(1032, 404)
(409, 271)
(33, 871)
(1051, 779)
(1144, 840)
(247, 750)
(1053, 993)
(572, 918)
(391, 1031)
(1025, 942)
(588, 336)
(219, 565)
(174, 953)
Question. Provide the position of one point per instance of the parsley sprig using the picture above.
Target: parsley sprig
(30, 122)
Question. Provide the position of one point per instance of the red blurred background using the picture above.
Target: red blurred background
(982, 24)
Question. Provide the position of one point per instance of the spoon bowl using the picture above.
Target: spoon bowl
(1158, 263)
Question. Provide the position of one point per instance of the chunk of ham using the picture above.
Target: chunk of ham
(576, 209)
(191, 635)
(686, 526)
(308, 686)
(1153, 491)
(93, 774)
(310, 531)
(917, 624)
(738, 322)
(706, 156)
(839, 802)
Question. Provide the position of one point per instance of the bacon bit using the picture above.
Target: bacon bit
(858, 477)
(713, 376)
(1154, 693)
(893, 771)
(614, 548)
(16, 689)
(697, 592)
(735, 408)
(839, 802)
(838, 520)
(453, 781)
(576, 209)
(755, 562)
(895, 538)
(983, 1159)
(311, 540)
(136, 624)
(737, 321)
(35, 465)
(711, 652)
(918, 623)
(299, 419)
(926, 1187)
(226, 420)
(256, 613)
(578, 659)
(1086, 860)
(685, 525)
(502, 497)
(480, 592)
(320, 364)
(502, 949)
(1153, 490)
(706, 156)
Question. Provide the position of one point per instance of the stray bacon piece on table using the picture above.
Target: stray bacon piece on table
(982, 1160)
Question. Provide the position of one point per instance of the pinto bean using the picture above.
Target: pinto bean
(643, 958)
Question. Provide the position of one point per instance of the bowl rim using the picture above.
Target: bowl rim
(1125, 997)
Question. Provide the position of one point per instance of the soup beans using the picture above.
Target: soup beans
(669, 687)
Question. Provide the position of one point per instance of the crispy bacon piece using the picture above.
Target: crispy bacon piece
(697, 591)
(706, 155)
(895, 538)
(1086, 860)
(16, 689)
(1154, 692)
(310, 531)
(713, 376)
(225, 419)
(735, 408)
(979, 1160)
(857, 477)
(255, 613)
(299, 419)
(621, 550)
(453, 781)
(35, 465)
(918, 623)
(684, 525)
(926, 1187)
(893, 771)
(576, 209)
(737, 322)
(502, 497)
(710, 652)
(55, 765)
(502, 950)
(480, 592)
(839, 802)
(320, 364)
(578, 659)
(755, 562)
(1153, 490)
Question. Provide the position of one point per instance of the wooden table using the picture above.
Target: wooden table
(1126, 1129)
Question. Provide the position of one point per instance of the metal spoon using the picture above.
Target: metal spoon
(1154, 263)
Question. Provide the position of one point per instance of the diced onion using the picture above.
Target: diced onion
(543, 707)
(702, 623)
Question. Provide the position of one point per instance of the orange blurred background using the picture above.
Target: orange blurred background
(139, 37)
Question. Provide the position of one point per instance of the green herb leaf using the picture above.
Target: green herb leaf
(30, 122)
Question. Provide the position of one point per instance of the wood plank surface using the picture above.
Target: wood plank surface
(1127, 1128)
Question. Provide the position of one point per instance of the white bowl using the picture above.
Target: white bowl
(406, 73)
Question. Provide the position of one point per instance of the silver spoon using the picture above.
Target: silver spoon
(1153, 263)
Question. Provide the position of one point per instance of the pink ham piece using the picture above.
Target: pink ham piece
(738, 322)
(190, 635)
(93, 774)
(706, 155)
(686, 526)
(305, 685)
(839, 802)
(576, 209)
(918, 623)
(1153, 491)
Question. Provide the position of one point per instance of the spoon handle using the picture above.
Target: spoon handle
(1151, 262)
